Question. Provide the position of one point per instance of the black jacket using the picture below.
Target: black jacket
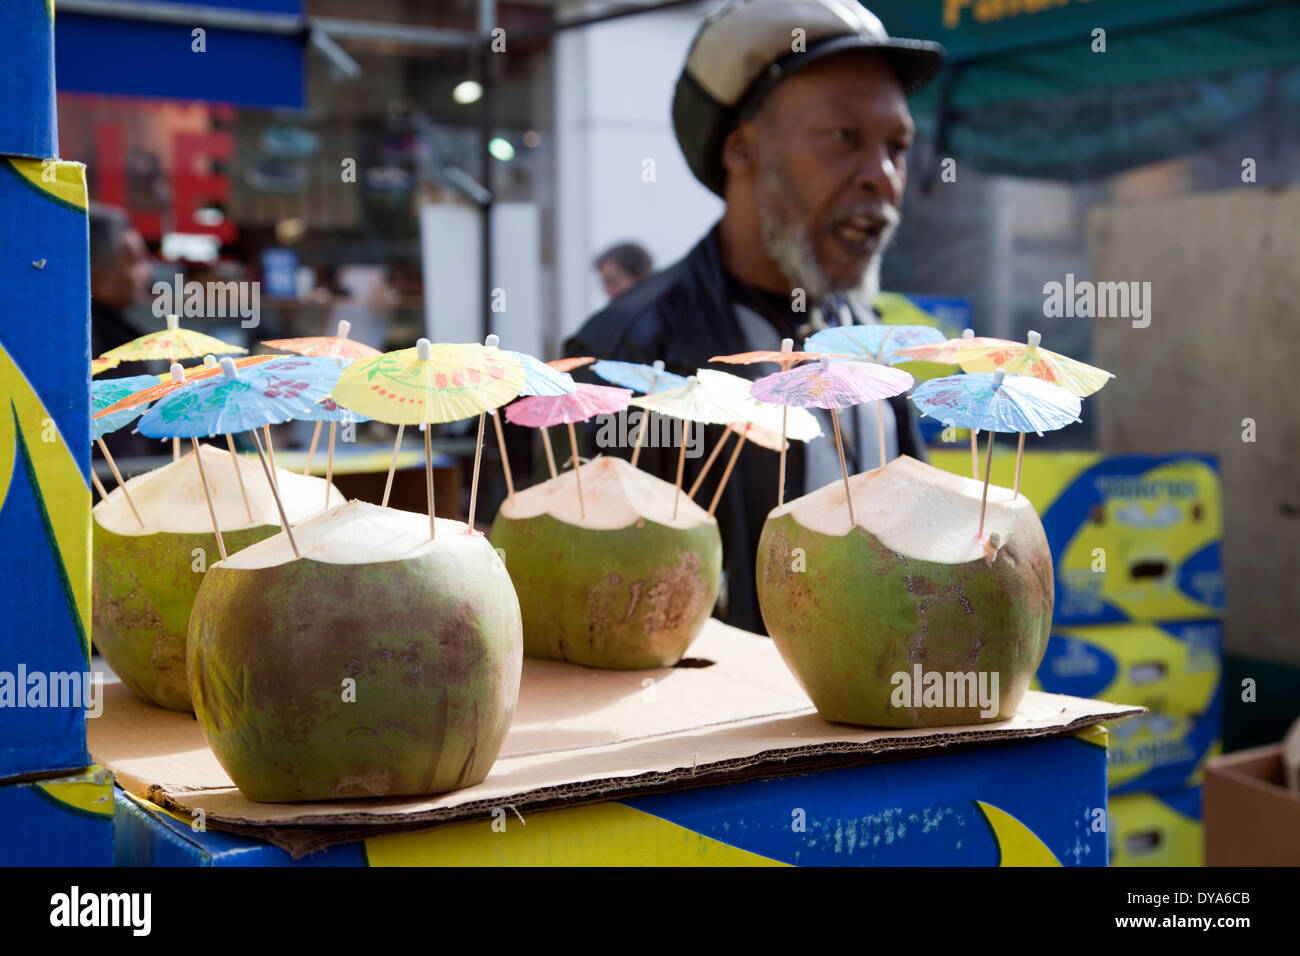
(684, 316)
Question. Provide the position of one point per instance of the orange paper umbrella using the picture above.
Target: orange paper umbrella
(569, 364)
(327, 346)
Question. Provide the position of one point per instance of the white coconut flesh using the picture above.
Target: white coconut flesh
(615, 495)
(171, 499)
(919, 511)
(356, 533)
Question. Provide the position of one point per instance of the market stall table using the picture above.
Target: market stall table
(721, 759)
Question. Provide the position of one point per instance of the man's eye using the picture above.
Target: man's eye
(845, 135)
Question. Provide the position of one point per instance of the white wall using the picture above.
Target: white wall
(613, 99)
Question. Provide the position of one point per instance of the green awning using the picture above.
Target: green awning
(1025, 94)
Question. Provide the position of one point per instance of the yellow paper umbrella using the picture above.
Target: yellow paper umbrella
(172, 343)
(98, 365)
(429, 385)
(1031, 359)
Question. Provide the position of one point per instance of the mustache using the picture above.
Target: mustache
(878, 212)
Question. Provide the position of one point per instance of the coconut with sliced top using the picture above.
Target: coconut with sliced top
(145, 578)
(378, 663)
(628, 586)
(909, 589)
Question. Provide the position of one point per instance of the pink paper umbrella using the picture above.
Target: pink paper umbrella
(833, 385)
(587, 401)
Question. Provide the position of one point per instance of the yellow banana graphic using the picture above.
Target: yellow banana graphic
(1017, 844)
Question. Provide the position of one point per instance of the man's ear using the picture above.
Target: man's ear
(739, 150)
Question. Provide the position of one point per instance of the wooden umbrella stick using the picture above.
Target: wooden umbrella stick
(1020, 456)
(279, 505)
(880, 425)
(203, 478)
(550, 455)
(731, 463)
(681, 465)
(311, 449)
(505, 456)
(573, 444)
(844, 469)
(118, 475)
(99, 485)
(329, 466)
(392, 465)
(473, 488)
(176, 449)
(640, 435)
(780, 487)
(988, 467)
(708, 463)
(234, 460)
(428, 477)
(974, 456)
(270, 453)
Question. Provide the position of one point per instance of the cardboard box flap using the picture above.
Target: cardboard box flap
(578, 736)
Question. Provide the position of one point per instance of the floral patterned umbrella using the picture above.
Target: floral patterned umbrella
(833, 385)
(997, 403)
(1029, 358)
(103, 394)
(172, 343)
(327, 346)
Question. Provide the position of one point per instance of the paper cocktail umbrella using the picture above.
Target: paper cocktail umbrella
(945, 353)
(874, 343)
(242, 400)
(98, 365)
(761, 424)
(832, 386)
(586, 401)
(1031, 359)
(102, 395)
(646, 379)
(429, 385)
(569, 364)
(997, 403)
(324, 346)
(691, 402)
(539, 379)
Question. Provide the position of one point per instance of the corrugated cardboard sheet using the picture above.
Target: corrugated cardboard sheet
(579, 736)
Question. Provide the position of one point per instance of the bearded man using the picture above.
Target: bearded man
(795, 113)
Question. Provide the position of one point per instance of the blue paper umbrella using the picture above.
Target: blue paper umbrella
(638, 377)
(875, 343)
(106, 392)
(243, 399)
(541, 379)
(997, 402)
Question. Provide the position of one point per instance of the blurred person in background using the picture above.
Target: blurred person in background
(808, 148)
(119, 281)
(623, 266)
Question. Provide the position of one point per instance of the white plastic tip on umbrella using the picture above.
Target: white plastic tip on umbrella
(1033, 339)
(492, 340)
(968, 333)
(787, 345)
(658, 366)
(825, 361)
(998, 376)
(173, 322)
(178, 373)
(692, 381)
(423, 350)
(228, 366)
(345, 328)
(209, 361)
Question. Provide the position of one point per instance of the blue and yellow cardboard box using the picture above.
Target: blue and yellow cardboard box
(1133, 537)
(1158, 751)
(1038, 801)
(59, 821)
(1173, 667)
(44, 466)
(1160, 828)
(28, 124)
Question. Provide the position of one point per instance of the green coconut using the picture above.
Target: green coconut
(908, 589)
(145, 579)
(379, 663)
(628, 585)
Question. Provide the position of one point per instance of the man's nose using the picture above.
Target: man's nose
(879, 175)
